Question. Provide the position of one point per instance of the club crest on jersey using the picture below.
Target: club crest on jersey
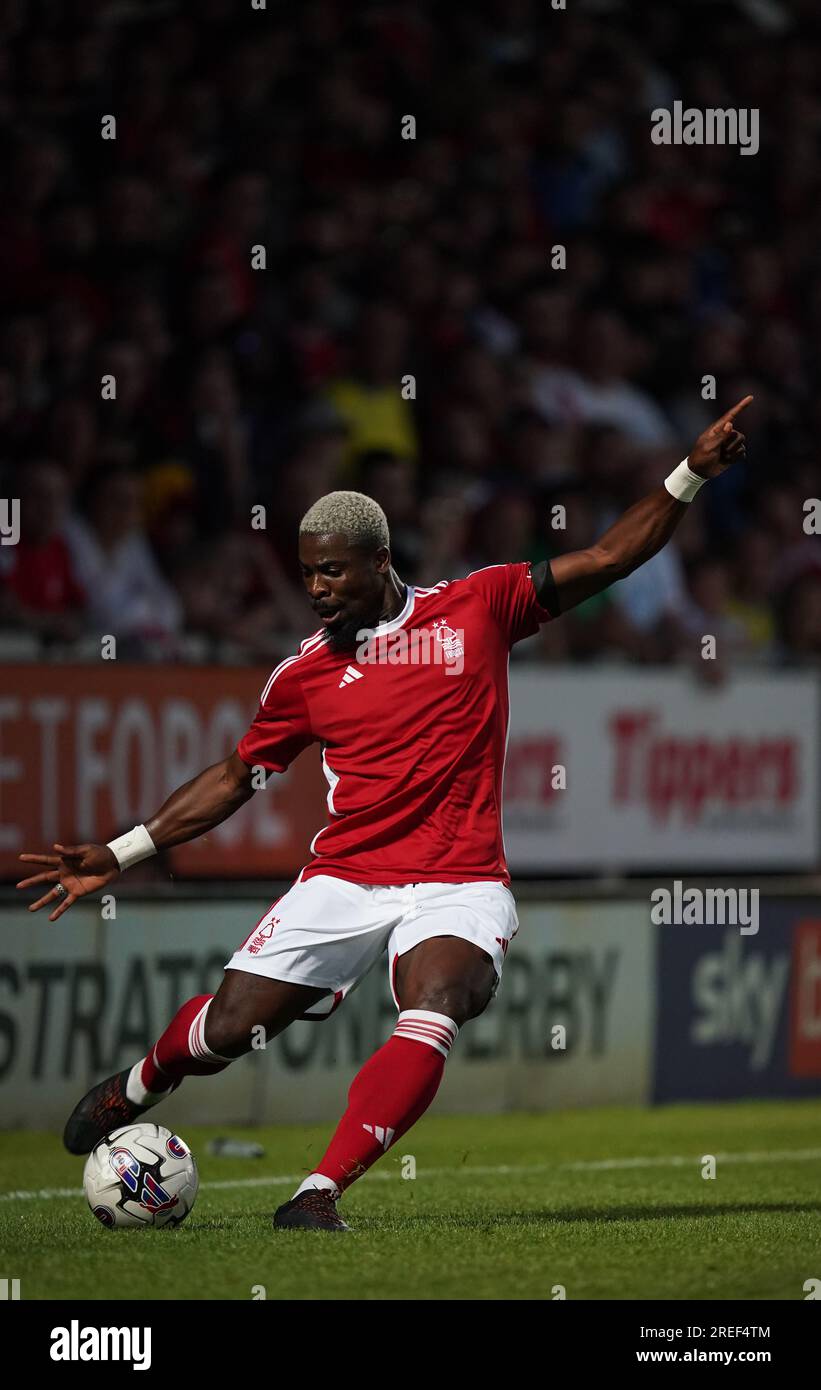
(452, 646)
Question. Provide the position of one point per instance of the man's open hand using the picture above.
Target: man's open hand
(80, 869)
(720, 445)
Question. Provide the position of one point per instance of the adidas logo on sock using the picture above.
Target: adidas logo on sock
(382, 1133)
(351, 675)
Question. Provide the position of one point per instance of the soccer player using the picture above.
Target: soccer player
(406, 692)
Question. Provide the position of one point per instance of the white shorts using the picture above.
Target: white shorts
(328, 933)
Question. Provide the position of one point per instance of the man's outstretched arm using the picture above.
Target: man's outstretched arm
(194, 808)
(197, 806)
(642, 531)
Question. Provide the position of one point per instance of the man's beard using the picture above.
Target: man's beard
(350, 634)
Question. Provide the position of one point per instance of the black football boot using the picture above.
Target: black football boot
(313, 1210)
(106, 1107)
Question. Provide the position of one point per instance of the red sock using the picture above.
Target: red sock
(387, 1096)
(181, 1051)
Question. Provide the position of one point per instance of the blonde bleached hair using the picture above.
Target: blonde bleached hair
(358, 518)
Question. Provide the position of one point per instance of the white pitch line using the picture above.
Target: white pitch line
(763, 1156)
(495, 1170)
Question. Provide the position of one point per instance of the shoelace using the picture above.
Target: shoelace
(320, 1203)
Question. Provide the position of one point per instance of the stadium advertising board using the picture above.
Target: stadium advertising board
(571, 1025)
(604, 772)
(661, 772)
(740, 1015)
(86, 753)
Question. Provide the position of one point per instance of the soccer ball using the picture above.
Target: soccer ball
(141, 1175)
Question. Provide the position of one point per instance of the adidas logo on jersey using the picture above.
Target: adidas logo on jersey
(351, 675)
(382, 1133)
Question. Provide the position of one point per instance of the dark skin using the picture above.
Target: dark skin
(641, 531)
(352, 589)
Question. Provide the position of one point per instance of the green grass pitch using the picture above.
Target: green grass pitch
(609, 1204)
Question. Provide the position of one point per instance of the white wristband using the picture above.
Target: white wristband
(130, 848)
(683, 483)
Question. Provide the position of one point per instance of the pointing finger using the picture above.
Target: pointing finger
(729, 416)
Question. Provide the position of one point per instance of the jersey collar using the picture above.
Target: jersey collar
(401, 617)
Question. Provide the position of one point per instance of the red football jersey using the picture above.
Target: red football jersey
(413, 732)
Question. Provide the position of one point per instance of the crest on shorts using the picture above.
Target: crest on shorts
(264, 934)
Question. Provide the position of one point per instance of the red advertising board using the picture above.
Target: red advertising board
(604, 772)
(88, 751)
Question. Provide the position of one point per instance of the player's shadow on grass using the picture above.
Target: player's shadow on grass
(576, 1215)
(371, 1222)
(654, 1213)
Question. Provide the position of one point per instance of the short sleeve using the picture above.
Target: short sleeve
(510, 595)
(281, 727)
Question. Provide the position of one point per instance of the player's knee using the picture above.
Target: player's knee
(478, 1001)
(228, 1031)
(456, 999)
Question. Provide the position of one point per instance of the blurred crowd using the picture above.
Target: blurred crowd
(413, 332)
